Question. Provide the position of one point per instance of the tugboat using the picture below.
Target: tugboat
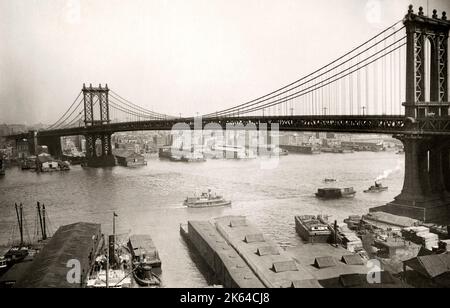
(329, 180)
(145, 260)
(378, 187)
(207, 199)
(111, 267)
(335, 193)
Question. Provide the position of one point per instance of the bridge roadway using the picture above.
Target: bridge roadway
(380, 124)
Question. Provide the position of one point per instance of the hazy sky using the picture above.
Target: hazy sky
(173, 56)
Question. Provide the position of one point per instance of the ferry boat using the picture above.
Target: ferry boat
(312, 229)
(145, 260)
(335, 193)
(206, 199)
(378, 187)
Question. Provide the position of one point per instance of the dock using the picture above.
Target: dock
(336, 267)
(270, 263)
(241, 256)
(228, 267)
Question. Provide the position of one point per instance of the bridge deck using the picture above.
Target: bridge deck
(339, 124)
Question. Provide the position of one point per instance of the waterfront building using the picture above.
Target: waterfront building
(428, 271)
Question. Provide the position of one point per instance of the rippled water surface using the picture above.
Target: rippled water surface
(149, 199)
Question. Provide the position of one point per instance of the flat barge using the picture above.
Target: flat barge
(228, 267)
(268, 261)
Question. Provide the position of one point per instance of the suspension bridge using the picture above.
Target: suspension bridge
(395, 83)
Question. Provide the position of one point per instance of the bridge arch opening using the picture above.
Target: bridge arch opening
(427, 68)
(98, 147)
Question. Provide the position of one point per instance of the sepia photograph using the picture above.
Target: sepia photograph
(197, 147)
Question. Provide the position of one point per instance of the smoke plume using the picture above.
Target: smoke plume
(388, 172)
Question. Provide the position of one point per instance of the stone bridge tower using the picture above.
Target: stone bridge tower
(98, 143)
(426, 188)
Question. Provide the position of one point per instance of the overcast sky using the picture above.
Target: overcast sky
(173, 56)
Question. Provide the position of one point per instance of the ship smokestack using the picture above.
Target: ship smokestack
(335, 233)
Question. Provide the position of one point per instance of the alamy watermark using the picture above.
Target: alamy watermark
(237, 140)
(74, 272)
(374, 274)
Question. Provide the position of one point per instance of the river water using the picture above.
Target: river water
(149, 199)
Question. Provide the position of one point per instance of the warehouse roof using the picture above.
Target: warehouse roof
(50, 266)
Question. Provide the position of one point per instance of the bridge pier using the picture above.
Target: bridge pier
(99, 156)
(426, 187)
(425, 194)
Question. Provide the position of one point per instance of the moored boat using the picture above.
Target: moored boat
(206, 199)
(103, 276)
(312, 229)
(145, 260)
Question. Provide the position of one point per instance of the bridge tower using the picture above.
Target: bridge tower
(98, 154)
(426, 188)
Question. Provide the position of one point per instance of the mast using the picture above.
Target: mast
(107, 267)
(44, 230)
(21, 225)
(40, 219)
(19, 221)
(114, 225)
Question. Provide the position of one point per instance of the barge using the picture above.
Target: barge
(311, 229)
(223, 260)
(270, 263)
(335, 193)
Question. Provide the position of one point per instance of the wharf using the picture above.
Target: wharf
(228, 267)
(336, 267)
(271, 264)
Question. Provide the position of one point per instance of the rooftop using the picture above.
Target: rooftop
(430, 266)
(49, 268)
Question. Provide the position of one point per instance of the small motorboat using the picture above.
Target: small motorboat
(378, 187)
(329, 180)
